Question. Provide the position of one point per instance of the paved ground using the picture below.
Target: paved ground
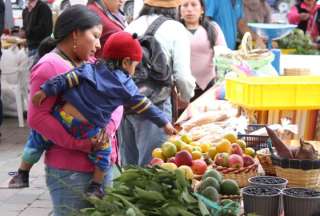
(33, 201)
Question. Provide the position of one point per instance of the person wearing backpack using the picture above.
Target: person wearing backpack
(138, 137)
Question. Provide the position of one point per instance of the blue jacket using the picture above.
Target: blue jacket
(96, 92)
(227, 14)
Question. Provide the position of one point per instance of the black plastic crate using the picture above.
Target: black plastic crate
(254, 141)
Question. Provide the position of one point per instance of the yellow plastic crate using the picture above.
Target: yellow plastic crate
(267, 93)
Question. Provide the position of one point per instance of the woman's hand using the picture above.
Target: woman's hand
(38, 97)
(100, 141)
(169, 129)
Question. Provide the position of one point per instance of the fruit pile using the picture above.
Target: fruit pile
(299, 41)
(268, 180)
(302, 192)
(232, 153)
(213, 185)
(182, 153)
(267, 191)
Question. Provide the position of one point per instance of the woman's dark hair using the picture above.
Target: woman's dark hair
(77, 17)
(206, 23)
(150, 10)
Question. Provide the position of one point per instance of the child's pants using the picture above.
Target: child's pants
(36, 143)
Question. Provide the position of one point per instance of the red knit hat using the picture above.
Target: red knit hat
(122, 44)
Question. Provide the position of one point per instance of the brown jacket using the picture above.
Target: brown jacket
(257, 11)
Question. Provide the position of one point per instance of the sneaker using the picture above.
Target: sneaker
(94, 190)
(18, 181)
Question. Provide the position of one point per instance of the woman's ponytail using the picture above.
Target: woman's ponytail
(46, 46)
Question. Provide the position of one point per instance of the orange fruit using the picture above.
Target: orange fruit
(212, 152)
(195, 143)
(157, 153)
(224, 146)
(205, 147)
(232, 137)
(196, 155)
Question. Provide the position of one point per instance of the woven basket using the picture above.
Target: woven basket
(299, 173)
(299, 177)
(246, 51)
(241, 175)
(264, 158)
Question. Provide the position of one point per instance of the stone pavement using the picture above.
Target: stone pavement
(32, 201)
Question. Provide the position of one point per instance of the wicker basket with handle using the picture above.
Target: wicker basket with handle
(264, 157)
(240, 175)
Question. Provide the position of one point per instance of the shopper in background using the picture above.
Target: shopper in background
(204, 36)
(257, 11)
(37, 24)
(111, 16)
(229, 15)
(139, 136)
(303, 14)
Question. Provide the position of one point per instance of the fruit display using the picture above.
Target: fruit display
(183, 153)
(234, 160)
(214, 182)
(268, 181)
(302, 192)
(153, 191)
(261, 200)
(233, 153)
(213, 187)
(299, 41)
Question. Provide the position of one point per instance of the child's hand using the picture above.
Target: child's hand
(38, 97)
(169, 129)
(100, 141)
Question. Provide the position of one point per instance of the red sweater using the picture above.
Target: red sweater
(109, 26)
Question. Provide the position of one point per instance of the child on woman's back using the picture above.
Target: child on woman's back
(91, 93)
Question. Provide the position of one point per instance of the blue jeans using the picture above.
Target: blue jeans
(138, 136)
(67, 189)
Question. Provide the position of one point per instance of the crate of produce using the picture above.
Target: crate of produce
(256, 142)
(274, 93)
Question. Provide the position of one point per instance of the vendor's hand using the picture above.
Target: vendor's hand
(100, 141)
(304, 16)
(38, 97)
(169, 129)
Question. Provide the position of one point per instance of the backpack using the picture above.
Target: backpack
(153, 75)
